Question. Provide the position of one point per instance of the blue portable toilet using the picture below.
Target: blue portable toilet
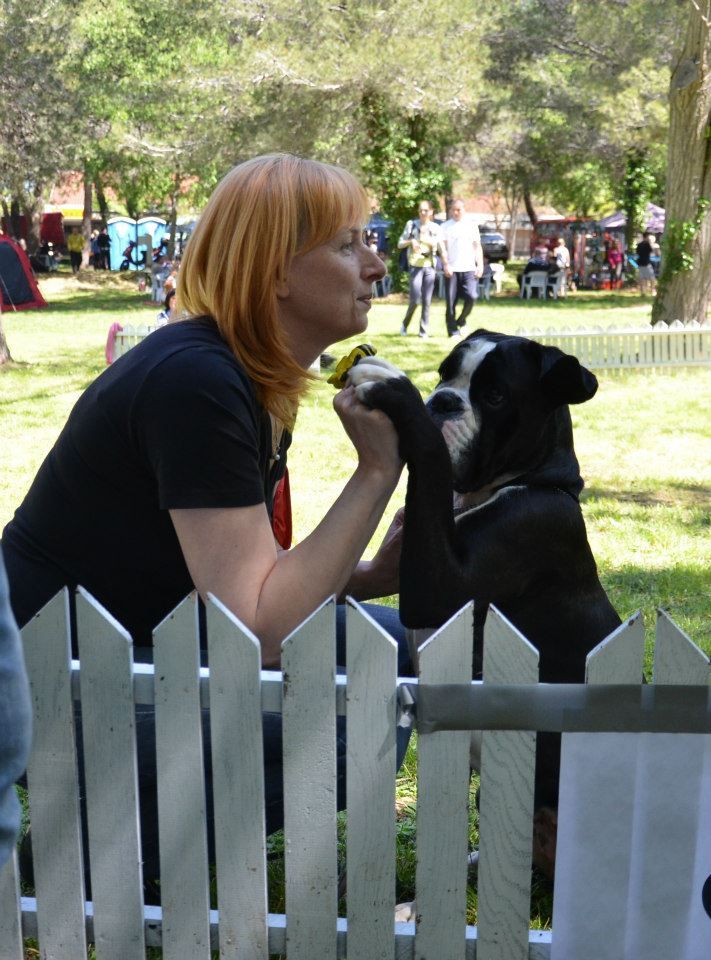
(123, 230)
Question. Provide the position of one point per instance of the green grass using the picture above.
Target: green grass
(644, 445)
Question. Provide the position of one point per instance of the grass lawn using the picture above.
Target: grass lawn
(644, 443)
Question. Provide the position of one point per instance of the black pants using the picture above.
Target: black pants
(463, 284)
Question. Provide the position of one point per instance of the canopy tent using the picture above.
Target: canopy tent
(18, 288)
(654, 220)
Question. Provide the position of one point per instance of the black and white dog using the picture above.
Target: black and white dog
(495, 437)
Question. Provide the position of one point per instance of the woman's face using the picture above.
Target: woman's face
(328, 292)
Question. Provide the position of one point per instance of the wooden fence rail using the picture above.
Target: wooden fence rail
(236, 692)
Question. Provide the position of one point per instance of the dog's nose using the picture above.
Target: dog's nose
(445, 403)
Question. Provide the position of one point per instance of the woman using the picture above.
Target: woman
(166, 469)
(163, 478)
(169, 313)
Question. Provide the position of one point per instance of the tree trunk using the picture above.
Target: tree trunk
(528, 203)
(32, 204)
(86, 220)
(15, 230)
(4, 349)
(683, 292)
(512, 202)
(101, 200)
(173, 224)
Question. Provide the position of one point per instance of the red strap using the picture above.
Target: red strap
(281, 513)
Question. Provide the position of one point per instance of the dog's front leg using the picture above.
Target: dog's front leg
(431, 582)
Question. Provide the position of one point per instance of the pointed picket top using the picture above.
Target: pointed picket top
(660, 325)
(92, 612)
(619, 658)
(508, 656)
(452, 636)
(676, 658)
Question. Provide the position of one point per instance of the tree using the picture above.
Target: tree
(575, 85)
(39, 123)
(683, 290)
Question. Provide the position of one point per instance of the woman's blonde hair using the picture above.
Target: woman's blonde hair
(261, 214)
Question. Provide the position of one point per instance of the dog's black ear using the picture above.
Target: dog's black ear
(563, 380)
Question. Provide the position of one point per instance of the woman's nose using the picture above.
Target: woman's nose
(374, 268)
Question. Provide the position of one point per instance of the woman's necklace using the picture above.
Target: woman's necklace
(277, 432)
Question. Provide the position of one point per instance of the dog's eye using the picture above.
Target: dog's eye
(493, 397)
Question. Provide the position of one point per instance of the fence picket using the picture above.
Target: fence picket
(111, 773)
(185, 882)
(370, 855)
(238, 785)
(619, 658)
(676, 658)
(508, 761)
(443, 803)
(11, 947)
(309, 718)
(53, 784)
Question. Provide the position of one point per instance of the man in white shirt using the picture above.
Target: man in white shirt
(465, 265)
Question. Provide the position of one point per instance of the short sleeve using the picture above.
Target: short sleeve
(201, 431)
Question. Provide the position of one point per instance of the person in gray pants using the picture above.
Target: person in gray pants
(15, 720)
(423, 241)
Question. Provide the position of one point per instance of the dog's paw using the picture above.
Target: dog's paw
(370, 371)
(405, 912)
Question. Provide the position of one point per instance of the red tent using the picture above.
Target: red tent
(18, 287)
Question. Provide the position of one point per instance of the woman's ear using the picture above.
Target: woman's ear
(282, 289)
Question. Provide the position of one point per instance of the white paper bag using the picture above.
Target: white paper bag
(633, 866)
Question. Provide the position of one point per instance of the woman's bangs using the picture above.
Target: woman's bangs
(334, 201)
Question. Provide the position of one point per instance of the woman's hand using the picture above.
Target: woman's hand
(371, 432)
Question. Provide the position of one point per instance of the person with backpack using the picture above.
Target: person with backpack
(423, 241)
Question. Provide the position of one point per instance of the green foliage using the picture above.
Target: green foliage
(637, 190)
(403, 162)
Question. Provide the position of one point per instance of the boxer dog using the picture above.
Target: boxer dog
(492, 512)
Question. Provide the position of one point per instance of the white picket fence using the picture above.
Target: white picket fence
(662, 345)
(130, 336)
(236, 692)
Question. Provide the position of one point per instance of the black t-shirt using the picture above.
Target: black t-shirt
(173, 423)
(644, 253)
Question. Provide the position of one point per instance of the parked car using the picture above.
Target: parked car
(494, 246)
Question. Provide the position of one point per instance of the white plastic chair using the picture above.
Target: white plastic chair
(535, 280)
(555, 285)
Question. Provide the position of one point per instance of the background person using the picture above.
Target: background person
(464, 268)
(187, 438)
(423, 240)
(75, 247)
(169, 313)
(645, 250)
